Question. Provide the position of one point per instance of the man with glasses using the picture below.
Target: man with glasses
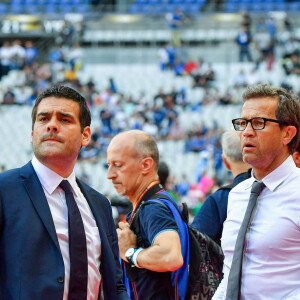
(267, 235)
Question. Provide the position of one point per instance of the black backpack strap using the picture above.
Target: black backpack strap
(135, 224)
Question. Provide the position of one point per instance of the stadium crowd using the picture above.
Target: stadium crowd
(158, 115)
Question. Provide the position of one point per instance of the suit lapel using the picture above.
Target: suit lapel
(38, 198)
(96, 209)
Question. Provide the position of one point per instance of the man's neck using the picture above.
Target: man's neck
(143, 191)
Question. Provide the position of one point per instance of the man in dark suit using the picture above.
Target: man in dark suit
(36, 260)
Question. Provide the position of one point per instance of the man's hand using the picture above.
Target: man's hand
(126, 238)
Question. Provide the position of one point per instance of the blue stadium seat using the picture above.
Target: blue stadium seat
(159, 9)
(170, 7)
(231, 7)
(243, 6)
(268, 6)
(293, 6)
(81, 9)
(29, 2)
(134, 8)
(141, 2)
(280, 6)
(193, 9)
(40, 2)
(32, 9)
(65, 2)
(178, 2)
(51, 9)
(79, 2)
(53, 2)
(255, 7)
(16, 8)
(3, 8)
(67, 8)
(16, 2)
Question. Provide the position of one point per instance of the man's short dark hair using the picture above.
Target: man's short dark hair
(59, 91)
(288, 108)
(163, 173)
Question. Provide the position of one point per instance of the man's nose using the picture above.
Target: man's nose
(249, 129)
(53, 126)
(110, 173)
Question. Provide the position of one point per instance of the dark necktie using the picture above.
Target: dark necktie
(234, 279)
(77, 248)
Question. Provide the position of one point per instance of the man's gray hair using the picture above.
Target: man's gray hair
(231, 145)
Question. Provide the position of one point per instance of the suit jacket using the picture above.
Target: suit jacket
(31, 264)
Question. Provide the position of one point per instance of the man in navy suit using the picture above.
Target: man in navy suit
(34, 235)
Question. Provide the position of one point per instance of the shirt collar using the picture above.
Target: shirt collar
(276, 177)
(49, 179)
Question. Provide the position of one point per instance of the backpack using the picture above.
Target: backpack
(205, 256)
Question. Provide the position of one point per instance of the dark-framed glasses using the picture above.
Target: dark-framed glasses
(257, 123)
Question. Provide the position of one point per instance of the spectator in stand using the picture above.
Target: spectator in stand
(243, 40)
(181, 53)
(263, 44)
(290, 47)
(23, 94)
(179, 68)
(175, 22)
(292, 65)
(171, 112)
(31, 53)
(246, 20)
(8, 97)
(241, 79)
(171, 56)
(203, 74)
(17, 55)
(190, 66)
(213, 212)
(106, 119)
(163, 57)
(75, 57)
(5, 58)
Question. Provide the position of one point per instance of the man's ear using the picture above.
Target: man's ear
(225, 161)
(147, 165)
(31, 136)
(86, 136)
(290, 132)
(296, 158)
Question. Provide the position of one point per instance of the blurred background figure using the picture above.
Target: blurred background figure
(213, 212)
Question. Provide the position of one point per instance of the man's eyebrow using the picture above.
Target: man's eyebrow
(63, 114)
(43, 113)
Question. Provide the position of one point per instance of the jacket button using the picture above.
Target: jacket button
(60, 279)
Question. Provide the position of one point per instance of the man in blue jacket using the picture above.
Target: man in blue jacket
(38, 253)
(213, 212)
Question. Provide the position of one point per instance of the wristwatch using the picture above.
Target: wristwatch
(129, 253)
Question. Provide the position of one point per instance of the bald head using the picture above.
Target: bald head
(132, 159)
(139, 143)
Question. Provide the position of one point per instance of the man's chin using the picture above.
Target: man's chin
(120, 191)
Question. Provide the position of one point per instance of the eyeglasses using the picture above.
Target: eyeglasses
(257, 123)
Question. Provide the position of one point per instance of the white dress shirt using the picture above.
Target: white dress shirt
(58, 207)
(271, 265)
